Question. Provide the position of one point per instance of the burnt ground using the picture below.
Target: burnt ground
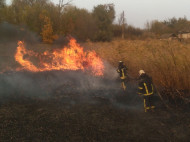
(73, 106)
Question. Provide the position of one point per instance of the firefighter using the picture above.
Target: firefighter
(122, 70)
(146, 89)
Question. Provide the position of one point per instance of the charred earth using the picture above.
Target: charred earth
(74, 106)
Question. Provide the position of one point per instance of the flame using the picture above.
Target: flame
(69, 58)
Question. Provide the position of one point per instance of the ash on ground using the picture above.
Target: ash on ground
(75, 106)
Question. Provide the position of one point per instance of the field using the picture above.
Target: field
(168, 62)
(75, 106)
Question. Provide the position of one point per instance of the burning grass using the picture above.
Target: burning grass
(72, 57)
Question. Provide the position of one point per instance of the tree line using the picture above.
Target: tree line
(171, 25)
(52, 21)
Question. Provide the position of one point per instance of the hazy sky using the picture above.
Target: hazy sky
(138, 12)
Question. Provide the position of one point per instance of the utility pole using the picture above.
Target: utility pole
(123, 25)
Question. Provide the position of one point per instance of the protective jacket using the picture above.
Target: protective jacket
(145, 85)
(146, 89)
(122, 70)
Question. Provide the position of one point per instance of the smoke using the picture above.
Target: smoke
(9, 36)
(12, 33)
(67, 86)
(47, 83)
(56, 84)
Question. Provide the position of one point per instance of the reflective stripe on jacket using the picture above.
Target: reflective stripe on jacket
(145, 91)
(145, 85)
(122, 72)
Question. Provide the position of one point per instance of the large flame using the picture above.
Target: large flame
(68, 58)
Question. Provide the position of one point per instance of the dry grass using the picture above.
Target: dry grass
(168, 62)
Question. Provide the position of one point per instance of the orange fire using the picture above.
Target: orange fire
(69, 58)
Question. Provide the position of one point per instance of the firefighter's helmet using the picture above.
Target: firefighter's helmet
(141, 72)
(120, 63)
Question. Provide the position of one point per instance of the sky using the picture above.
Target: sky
(138, 12)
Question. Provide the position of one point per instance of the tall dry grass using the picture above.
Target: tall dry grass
(168, 62)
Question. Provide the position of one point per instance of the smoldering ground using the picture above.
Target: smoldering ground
(75, 106)
(66, 86)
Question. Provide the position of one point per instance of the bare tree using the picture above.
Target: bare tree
(61, 6)
(63, 3)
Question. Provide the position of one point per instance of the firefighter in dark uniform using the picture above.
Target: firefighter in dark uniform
(146, 89)
(122, 70)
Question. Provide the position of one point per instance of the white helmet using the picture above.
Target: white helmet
(141, 72)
